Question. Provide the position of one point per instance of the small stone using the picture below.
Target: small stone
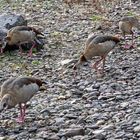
(124, 104)
(100, 122)
(137, 129)
(74, 132)
(109, 127)
(45, 111)
(66, 62)
(137, 111)
(92, 126)
(32, 130)
(55, 137)
(98, 134)
(98, 131)
(70, 116)
(99, 27)
(3, 138)
(59, 121)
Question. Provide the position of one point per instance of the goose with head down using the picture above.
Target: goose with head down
(125, 25)
(22, 34)
(18, 91)
(97, 45)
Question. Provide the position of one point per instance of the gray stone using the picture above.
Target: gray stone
(11, 20)
(137, 129)
(98, 134)
(73, 132)
(54, 137)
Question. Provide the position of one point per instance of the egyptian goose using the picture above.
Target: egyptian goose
(97, 45)
(125, 25)
(22, 34)
(18, 91)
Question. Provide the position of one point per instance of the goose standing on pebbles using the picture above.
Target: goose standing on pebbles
(22, 34)
(97, 45)
(125, 25)
(18, 91)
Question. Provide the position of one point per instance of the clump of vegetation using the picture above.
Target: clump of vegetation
(96, 18)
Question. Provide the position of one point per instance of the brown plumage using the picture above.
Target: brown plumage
(18, 91)
(22, 34)
(97, 45)
(125, 25)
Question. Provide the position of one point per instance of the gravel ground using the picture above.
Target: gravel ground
(89, 106)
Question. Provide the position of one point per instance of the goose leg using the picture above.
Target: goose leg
(132, 45)
(1, 50)
(74, 74)
(74, 71)
(24, 109)
(126, 45)
(30, 52)
(103, 63)
(21, 117)
(20, 49)
(129, 46)
(95, 65)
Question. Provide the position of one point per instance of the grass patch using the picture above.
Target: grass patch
(96, 18)
(129, 13)
(36, 62)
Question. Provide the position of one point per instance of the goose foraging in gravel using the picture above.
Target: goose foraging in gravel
(97, 45)
(18, 91)
(22, 34)
(125, 25)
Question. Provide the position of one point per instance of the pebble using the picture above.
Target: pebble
(3, 138)
(137, 129)
(84, 107)
(55, 137)
(100, 122)
(108, 127)
(73, 132)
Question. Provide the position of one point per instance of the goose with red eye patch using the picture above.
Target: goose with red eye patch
(23, 34)
(97, 45)
(18, 91)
